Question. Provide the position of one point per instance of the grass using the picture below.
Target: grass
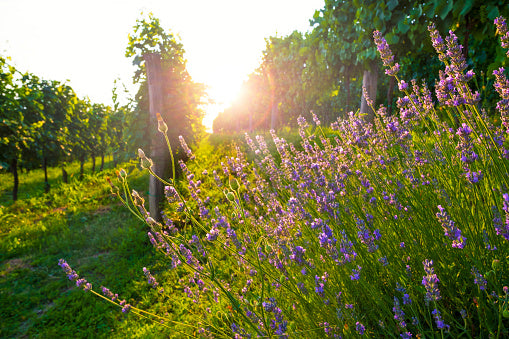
(82, 222)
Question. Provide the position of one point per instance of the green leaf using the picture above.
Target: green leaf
(391, 4)
(493, 12)
(391, 38)
(403, 27)
(445, 8)
(467, 6)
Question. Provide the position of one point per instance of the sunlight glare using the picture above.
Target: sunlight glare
(223, 90)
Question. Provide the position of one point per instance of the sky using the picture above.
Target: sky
(83, 42)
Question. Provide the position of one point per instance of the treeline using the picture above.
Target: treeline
(325, 69)
(44, 123)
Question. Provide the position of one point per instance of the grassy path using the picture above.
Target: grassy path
(82, 223)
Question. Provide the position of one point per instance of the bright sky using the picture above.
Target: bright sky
(84, 41)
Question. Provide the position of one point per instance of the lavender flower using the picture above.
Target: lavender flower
(356, 273)
(438, 320)
(437, 41)
(430, 282)
(385, 54)
(502, 228)
(451, 231)
(186, 148)
(503, 32)
(109, 294)
(150, 279)
(298, 255)
(399, 315)
(72, 275)
(479, 279)
(360, 328)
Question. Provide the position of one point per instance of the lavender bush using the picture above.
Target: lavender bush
(397, 228)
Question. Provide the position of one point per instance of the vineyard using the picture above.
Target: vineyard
(387, 217)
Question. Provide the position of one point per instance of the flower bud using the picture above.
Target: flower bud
(495, 264)
(122, 174)
(230, 196)
(234, 184)
(161, 125)
(138, 200)
(146, 163)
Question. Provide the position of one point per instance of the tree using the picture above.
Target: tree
(180, 100)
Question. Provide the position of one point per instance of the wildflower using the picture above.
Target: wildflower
(467, 154)
(502, 87)
(315, 119)
(186, 148)
(71, 274)
(360, 328)
(126, 308)
(430, 282)
(399, 315)
(474, 177)
(437, 41)
(438, 320)
(402, 85)
(451, 231)
(161, 125)
(346, 248)
(319, 286)
(150, 278)
(109, 294)
(502, 228)
(145, 163)
(298, 255)
(479, 279)
(356, 273)
(385, 54)
(503, 32)
(383, 261)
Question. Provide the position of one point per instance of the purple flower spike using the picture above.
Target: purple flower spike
(438, 319)
(386, 54)
(450, 229)
(356, 273)
(360, 328)
(503, 32)
(430, 282)
(502, 228)
(479, 279)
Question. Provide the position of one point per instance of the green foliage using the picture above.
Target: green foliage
(44, 123)
(182, 97)
(324, 70)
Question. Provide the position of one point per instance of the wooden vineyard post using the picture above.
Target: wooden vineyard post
(158, 149)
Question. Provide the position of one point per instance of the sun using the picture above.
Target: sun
(223, 91)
